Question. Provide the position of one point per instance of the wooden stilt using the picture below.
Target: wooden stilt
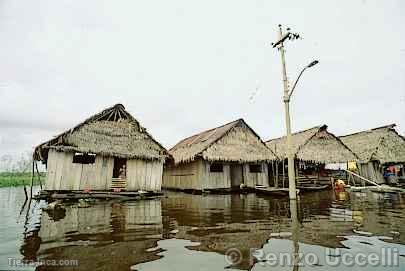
(277, 164)
(283, 174)
(39, 176)
(32, 178)
(25, 190)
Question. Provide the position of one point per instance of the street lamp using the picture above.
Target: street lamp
(310, 65)
(287, 96)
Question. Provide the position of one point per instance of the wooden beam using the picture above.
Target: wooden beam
(39, 176)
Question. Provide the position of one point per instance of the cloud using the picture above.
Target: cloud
(184, 66)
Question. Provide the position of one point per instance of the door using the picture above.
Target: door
(236, 175)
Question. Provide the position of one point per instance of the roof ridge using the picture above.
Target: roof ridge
(299, 132)
(393, 125)
(208, 130)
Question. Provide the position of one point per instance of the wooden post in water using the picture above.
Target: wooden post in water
(296, 171)
(39, 176)
(25, 189)
(32, 178)
(283, 175)
(277, 164)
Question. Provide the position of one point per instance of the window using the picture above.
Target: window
(255, 168)
(216, 167)
(84, 158)
(120, 168)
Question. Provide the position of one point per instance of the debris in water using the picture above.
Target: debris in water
(363, 232)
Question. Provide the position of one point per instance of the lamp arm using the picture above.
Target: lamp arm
(296, 81)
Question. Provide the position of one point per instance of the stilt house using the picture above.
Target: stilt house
(108, 150)
(312, 149)
(377, 148)
(221, 158)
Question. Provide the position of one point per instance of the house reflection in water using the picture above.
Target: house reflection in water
(106, 236)
(184, 230)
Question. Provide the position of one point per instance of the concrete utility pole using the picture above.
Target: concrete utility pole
(287, 97)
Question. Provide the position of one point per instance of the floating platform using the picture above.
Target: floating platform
(312, 187)
(386, 189)
(376, 189)
(273, 191)
(103, 195)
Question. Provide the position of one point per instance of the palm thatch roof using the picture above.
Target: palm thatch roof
(232, 142)
(112, 132)
(382, 144)
(315, 145)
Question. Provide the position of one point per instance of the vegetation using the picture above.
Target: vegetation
(18, 178)
(16, 171)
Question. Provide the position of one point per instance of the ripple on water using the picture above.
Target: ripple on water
(194, 232)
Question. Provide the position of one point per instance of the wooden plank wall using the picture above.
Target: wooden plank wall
(371, 171)
(253, 179)
(197, 175)
(216, 180)
(65, 175)
(183, 176)
(144, 175)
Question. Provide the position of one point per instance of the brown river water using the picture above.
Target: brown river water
(356, 231)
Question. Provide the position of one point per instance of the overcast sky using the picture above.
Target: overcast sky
(182, 66)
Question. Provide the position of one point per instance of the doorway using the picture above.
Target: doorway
(120, 168)
(236, 175)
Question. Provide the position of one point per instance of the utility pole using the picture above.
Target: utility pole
(286, 98)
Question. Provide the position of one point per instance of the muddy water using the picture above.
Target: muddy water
(195, 232)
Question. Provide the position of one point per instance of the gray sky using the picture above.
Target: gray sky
(182, 66)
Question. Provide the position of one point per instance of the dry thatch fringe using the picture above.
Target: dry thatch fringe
(113, 132)
(382, 144)
(232, 142)
(315, 145)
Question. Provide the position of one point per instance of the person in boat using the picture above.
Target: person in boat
(340, 185)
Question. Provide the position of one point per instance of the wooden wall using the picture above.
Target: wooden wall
(63, 174)
(371, 171)
(183, 176)
(253, 179)
(144, 175)
(216, 180)
(196, 175)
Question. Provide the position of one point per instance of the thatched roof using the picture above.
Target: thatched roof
(313, 145)
(382, 144)
(232, 142)
(112, 132)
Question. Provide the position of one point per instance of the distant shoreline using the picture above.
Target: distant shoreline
(10, 179)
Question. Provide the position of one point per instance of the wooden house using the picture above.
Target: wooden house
(221, 158)
(108, 150)
(376, 149)
(313, 149)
